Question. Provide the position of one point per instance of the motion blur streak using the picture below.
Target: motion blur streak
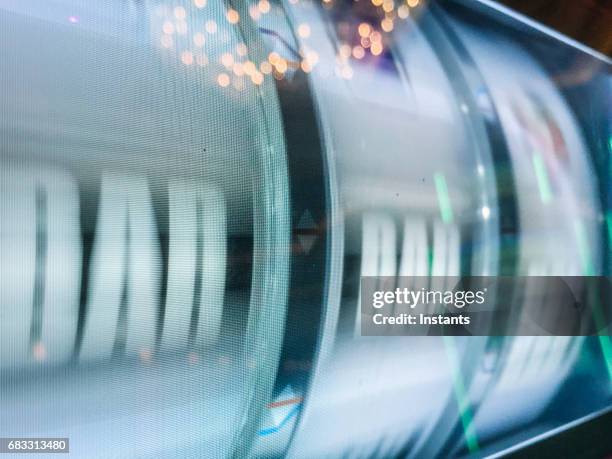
(191, 190)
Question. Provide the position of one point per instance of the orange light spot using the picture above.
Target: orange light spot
(232, 16)
(265, 67)
(39, 352)
(249, 68)
(281, 66)
(227, 60)
(179, 12)
(223, 80)
(403, 12)
(238, 69)
(264, 6)
(387, 25)
(312, 57)
(168, 28)
(388, 6)
(304, 30)
(187, 57)
(274, 57)
(364, 29)
(254, 12)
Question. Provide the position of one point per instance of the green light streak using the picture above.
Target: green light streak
(446, 211)
(589, 270)
(583, 248)
(606, 349)
(604, 340)
(542, 178)
(465, 413)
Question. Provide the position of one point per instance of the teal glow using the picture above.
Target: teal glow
(465, 411)
(446, 211)
(588, 269)
(542, 178)
(606, 349)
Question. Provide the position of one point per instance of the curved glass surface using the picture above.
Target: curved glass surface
(190, 192)
(145, 229)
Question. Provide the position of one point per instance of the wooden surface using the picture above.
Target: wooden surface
(588, 21)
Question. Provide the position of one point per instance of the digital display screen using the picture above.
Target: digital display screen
(191, 194)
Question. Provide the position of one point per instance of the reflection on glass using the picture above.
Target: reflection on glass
(162, 221)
